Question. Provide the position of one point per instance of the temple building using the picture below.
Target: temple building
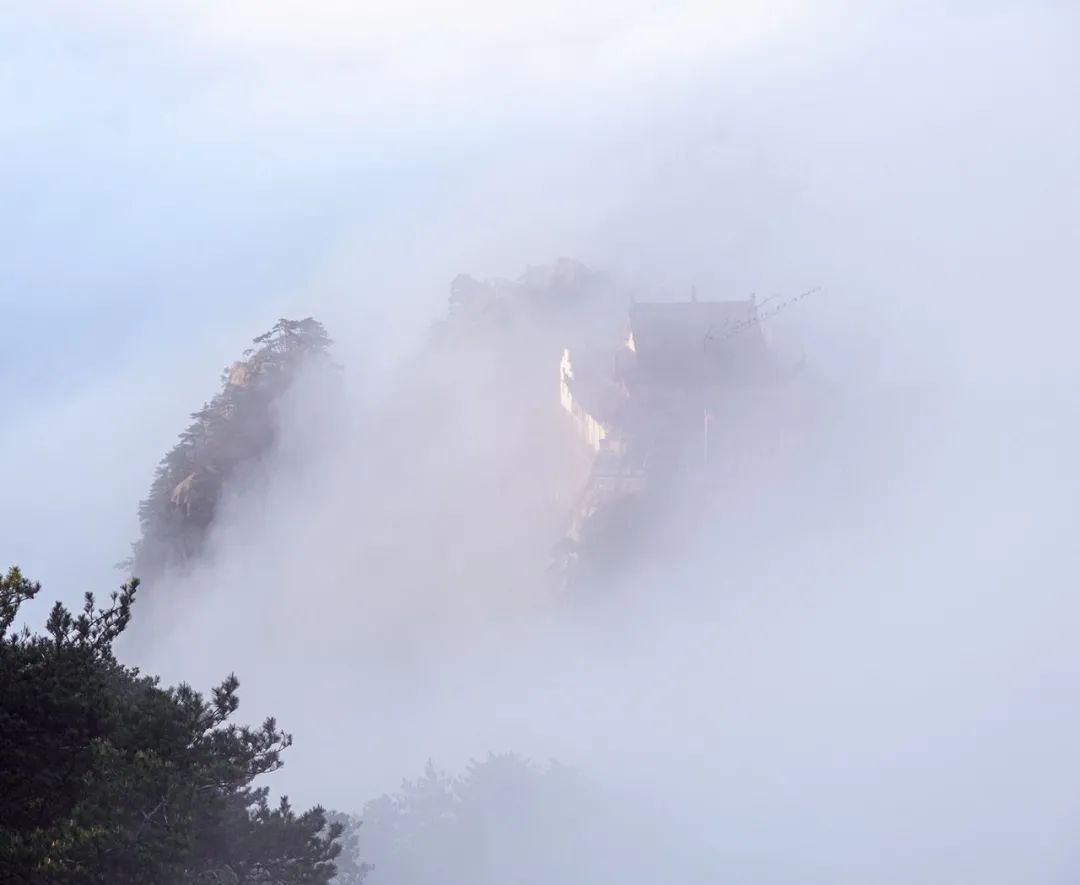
(646, 407)
(677, 364)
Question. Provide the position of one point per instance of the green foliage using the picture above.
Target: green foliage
(508, 821)
(236, 428)
(504, 820)
(557, 296)
(107, 777)
(352, 869)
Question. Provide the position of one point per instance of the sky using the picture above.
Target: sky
(893, 664)
(179, 177)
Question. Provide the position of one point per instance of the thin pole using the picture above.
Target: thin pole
(705, 442)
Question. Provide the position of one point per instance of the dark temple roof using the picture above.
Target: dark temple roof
(697, 340)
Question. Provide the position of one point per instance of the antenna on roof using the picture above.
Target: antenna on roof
(693, 293)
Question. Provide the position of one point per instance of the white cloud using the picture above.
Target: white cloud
(915, 159)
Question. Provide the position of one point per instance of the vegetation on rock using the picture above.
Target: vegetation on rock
(233, 430)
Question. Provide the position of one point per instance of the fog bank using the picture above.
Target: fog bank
(860, 671)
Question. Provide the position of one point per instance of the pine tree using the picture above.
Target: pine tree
(108, 777)
(235, 428)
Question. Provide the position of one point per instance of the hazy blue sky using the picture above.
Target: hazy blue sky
(881, 681)
(176, 175)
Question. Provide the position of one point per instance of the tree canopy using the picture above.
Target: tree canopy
(505, 819)
(234, 429)
(108, 777)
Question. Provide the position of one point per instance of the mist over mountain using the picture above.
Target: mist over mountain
(479, 389)
(228, 435)
(813, 631)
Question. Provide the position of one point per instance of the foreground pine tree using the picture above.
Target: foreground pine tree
(107, 777)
